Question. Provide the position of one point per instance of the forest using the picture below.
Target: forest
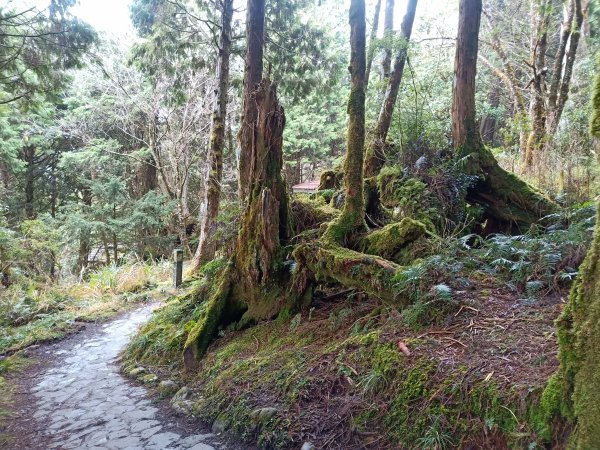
(386, 211)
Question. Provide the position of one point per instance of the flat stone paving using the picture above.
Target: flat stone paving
(83, 402)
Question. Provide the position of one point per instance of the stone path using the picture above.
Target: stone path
(82, 402)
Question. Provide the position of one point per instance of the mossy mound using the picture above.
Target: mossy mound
(349, 268)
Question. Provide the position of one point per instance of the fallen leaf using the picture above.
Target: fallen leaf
(403, 348)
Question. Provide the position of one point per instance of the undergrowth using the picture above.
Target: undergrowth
(533, 265)
(31, 311)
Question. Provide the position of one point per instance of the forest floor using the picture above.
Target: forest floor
(72, 396)
(351, 374)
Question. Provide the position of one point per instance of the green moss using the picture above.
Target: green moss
(551, 408)
(401, 242)
(311, 213)
(330, 180)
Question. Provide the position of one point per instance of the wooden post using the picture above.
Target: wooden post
(177, 267)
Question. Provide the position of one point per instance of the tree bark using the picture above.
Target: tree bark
(465, 132)
(265, 221)
(351, 222)
(252, 287)
(489, 123)
(29, 158)
(560, 56)
(212, 190)
(84, 242)
(372, 41)
(388, 34)
(253, 68)
(375, 157)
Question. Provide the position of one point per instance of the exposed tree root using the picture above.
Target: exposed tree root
(352, 269)
(401, 242)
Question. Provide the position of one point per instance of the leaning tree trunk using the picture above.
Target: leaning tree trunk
(388, 35)
(372, 41)
(573, 392)
(253, 68)
(351, 222)
(576, 13)
(510, 204)
(212, 190)
(375, 157)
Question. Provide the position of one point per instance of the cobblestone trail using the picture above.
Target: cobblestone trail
(82, 402)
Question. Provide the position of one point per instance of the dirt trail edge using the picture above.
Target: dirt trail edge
(75, 398)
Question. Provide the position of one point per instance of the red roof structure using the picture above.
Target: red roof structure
(308, 187)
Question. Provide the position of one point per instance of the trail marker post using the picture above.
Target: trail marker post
(177, 266)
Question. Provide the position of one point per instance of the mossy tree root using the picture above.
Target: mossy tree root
(207, 325)
(399, 241)
(371, 274)
(510, 204)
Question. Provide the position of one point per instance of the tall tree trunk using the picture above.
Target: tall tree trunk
(375, 157)
(489, 123)
(146, 177)
(465, 132)
(212, 189)
(252, 286)
(84, 238)
(253, 68)
(510, 204)
(372, 42)
(560, 56)
(351, 221)
(115, 243)
(388, 35)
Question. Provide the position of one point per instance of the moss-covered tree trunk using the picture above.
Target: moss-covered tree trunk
(537, 108)
(265, 223)
(252, 288)
(510, 204)
(352, 222)
(375, 156)
(574, 391)
(212, 189)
